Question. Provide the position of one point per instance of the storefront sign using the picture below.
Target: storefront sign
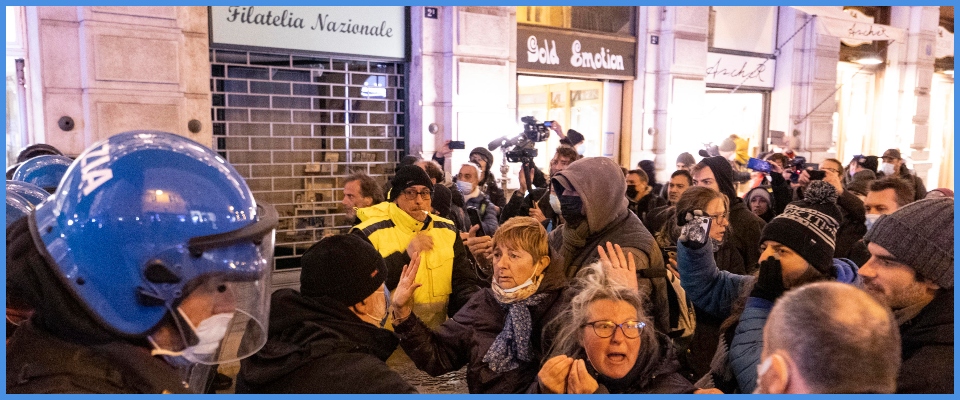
(572, 53)
(734, 70)
(367, 31)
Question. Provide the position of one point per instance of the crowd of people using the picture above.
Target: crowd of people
(147, 263)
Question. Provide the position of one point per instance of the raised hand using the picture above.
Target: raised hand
(617, 266)
(480, 246)
(420, 242)
(553, 375)
(536, 214)
(402, 299)
(579, 380)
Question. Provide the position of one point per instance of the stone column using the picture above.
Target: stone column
(915, 66)
(670, 90)
(813, 102)
(463, 77)
(115, 69)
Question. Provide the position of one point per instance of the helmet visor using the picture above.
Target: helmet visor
(233, 308)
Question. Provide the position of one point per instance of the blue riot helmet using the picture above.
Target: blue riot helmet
(17, 207)
(159, 236)
(44, 171)
(33, 193)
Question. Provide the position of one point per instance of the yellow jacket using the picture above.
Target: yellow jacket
(391, 229)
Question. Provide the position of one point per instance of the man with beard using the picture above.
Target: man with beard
(595, 212)
(911, 271)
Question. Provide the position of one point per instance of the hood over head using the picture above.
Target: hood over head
(601, 186)
(723, 173)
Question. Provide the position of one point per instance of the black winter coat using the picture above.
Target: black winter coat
(38, 362)
(744, 236)
(317, 345)
(465, 338)
(927, 348)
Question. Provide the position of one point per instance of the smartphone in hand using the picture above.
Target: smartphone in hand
(474, 215)
(697, 231)
(457, 145)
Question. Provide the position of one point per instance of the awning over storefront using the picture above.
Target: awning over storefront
(833, 21)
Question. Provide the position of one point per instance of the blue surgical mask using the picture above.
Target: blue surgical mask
(872, 219)
(465, 187)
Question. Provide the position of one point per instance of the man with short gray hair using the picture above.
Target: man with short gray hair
(829, 337)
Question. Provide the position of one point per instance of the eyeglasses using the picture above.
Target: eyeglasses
(605, 329)
(411, 194)
(719, 217)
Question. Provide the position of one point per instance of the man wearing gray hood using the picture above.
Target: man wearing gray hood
(595, 212)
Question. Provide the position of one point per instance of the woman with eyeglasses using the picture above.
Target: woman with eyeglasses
(696, 351)
(606, 344)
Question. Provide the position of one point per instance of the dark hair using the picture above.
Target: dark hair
(684, 173)
(849, 343)
(368, 186)
(780, 159)
(835, 161)
(568, 152)
(434, 171)
(640, 173)
(903, 189)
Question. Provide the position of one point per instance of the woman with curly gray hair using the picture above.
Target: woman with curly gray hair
(605, 342)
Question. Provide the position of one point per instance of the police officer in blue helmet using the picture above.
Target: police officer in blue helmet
(151, 255)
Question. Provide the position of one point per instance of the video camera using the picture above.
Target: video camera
(522, 144)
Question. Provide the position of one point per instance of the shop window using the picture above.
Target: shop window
(614, 20)
(749, 29)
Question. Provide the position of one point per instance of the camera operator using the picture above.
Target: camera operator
(572, 138)
(537, 202)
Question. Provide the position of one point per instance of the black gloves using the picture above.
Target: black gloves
(769, 285)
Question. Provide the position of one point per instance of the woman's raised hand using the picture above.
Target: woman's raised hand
(618, 267)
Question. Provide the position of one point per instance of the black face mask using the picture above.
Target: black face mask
(632, 192)
(571, 208)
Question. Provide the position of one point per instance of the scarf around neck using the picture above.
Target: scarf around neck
(512, 345)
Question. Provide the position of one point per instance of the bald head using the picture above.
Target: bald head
(838, 338)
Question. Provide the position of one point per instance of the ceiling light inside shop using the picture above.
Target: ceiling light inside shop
(869, 60)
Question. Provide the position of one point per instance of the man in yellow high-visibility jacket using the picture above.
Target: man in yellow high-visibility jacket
(402, 228)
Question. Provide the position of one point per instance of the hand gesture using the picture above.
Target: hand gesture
(524, 180)
(804, 179)
(557, 128)
(402, 299)
(693, 234)
(618, 268)
(421, 242)
(833, 179)
(579, 380)
(444, 150)
(480, 246)
(553, 375)
(672, 266)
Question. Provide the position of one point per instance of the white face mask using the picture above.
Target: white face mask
(555, 203)
(582, 149)
(872, 219)
(210, 332)
(464, 187)
(886, 168)
(382, 320)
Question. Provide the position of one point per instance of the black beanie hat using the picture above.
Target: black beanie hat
(346, 268)
(723, 173)
(406, 160)
(408, 175)
(442, 200)
(870, 162)
(650, 168)
(809, 226)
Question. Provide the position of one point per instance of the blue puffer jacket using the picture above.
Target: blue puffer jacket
(715, 292)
